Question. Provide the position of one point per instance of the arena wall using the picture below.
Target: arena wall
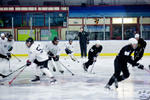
(110, 47)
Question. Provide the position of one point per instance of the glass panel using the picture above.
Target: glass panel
(125, 20)
(5, 19)
(46, 35)
(146, 32)
(145, 21)
(97, 32)
(117, 32)
(18, 20)
(38, 19)
(129, 31)
(72, 35)
(56, 18)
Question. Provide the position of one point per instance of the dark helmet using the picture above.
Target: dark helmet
(55, 39)
(10, 36)
(70, 40)
(30, 39)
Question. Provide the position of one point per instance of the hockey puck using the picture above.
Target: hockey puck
(149, 67)
(72, 74)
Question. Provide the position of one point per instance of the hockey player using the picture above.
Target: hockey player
(54, 51)
(92, 55)
(120, 63)
(139, 51)
(38, 56)
(5, 46)
(69, 50)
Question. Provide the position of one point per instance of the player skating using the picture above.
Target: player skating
(3, 52)
(139, 51)
(92, 55)
(69, 50)
(54, 51)
(38, 56)
(120, 63)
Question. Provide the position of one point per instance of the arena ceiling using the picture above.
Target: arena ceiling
(71, 2)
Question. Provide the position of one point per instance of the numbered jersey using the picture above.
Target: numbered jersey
(37, 51)
(124, 55)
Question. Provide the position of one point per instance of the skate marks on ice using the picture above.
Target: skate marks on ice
(82, 86)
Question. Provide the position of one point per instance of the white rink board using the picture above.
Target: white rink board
(109, 46)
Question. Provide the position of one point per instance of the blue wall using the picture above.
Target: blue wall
(110, 11)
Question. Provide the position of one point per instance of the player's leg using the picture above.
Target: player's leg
(125, 75)
(58, 65)
(88, 63)
(51, 64)
(85, 50)
(72, 57)
(81, 48)
(37, 72)
(116, 74)
(44, 69)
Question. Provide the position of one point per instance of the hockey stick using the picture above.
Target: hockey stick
(10, 82)
(67, 68)
(3, 76)
(9, 66)
(92, 67)
(147, 70)
(16, 57)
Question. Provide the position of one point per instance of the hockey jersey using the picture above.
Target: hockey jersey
(5, 45)
(36, 51)
(94, 51)
(70, 47)
(54, 49)
(124, 55)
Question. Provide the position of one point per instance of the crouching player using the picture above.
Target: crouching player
(120, 63)
(38, 56)
(69, 50)
(92, 55)
(53, 51)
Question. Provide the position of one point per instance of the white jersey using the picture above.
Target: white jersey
(36, 51)
(69, 46)
(5, 45)
(53, 48)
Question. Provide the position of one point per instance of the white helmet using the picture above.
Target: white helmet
(98, 42)
(133, 41)
(2, 34)
(137, 36)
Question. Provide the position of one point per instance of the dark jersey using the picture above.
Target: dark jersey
(124, 55)
(94, 50)
(141, 44)
(83, 37)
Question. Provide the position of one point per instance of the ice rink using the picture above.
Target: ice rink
(82, 86)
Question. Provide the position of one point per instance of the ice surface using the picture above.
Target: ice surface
(82, 86)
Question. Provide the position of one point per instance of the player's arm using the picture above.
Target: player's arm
(32, 56)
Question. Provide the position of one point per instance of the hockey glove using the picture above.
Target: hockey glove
(140, 66)
(10, 49)
(56, 58)
(50, 54)
(8, 55)
(28, 63)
